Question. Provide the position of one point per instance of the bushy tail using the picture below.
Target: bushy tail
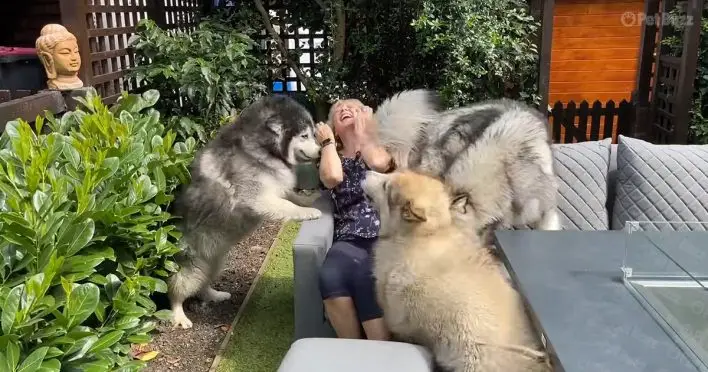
(402, 117)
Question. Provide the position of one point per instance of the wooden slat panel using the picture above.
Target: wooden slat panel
(591, 20)
(111, 31)
(608, 75)
(589, 87)
(109, 54)
(593, 54)
(115, 8)
(600, 31)
(599, 65)
(564, 8)
(28, 108)
(595, 42)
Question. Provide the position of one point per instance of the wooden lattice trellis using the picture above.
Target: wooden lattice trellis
(104, 27)
(310, 44)
(665, 81)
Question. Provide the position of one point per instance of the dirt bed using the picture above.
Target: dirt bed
(194, 349)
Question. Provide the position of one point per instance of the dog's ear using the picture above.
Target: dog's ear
(460, 203)
(410, 212)
(274, 125)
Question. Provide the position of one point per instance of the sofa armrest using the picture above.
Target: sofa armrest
(309, 250)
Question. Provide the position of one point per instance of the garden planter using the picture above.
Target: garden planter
(21, 69)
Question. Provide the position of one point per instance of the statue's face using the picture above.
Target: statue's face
(66, 57)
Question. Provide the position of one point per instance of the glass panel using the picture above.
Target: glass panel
(666, 268)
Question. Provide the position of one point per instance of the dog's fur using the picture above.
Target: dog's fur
(495, 154)
(241, 177)
(439, 287)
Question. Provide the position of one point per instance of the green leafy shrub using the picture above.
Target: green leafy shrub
(204, 77)
(698, 125)
(484, 49)
(84, 236)
(468, 50)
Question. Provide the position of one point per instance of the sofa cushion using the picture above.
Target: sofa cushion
(660, 183)
(581, 170)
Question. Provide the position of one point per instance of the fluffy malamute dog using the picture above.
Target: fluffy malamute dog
(496, 154)
(440, 287)
(242, 176)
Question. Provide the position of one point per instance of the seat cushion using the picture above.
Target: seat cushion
(661, 183)
(581, 170)
(345, 355)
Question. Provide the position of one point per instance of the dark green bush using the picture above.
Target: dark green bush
(698, 125)
(204, 77)
(483, 49)
(468, 50)
(84, 236)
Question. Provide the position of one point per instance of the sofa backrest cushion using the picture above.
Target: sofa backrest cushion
(582, 173)
(663, 183)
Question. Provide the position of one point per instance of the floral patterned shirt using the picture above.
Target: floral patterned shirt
(354, 216)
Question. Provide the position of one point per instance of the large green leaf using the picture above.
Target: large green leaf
(33, 361)
(10, 309)
(12, 355)
(51, 365)
(106, 341)
(81, 304)
(75, 237)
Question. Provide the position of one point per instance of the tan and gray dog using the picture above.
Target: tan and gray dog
(440, 287)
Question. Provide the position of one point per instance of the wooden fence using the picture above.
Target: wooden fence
(104, 28)
(577, 123)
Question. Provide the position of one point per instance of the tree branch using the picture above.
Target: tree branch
(321, 4)
(340, 35)
(281, 46)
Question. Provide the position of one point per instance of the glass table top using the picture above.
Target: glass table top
(666, 268)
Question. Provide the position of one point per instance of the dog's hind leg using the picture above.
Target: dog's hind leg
(187, 282)
(210, 294)
(550, 221)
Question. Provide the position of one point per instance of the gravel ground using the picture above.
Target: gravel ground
(194, 349)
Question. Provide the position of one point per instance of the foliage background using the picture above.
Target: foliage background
(467, 50)
(698, 124)
(205, 77)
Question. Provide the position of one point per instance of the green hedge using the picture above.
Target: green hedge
(85, 236)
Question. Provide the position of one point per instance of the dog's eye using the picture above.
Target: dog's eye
(305, 136)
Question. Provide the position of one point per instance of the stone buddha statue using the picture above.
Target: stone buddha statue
(58, 50)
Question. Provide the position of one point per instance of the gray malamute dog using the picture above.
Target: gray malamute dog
(242, 176)
(496, 154)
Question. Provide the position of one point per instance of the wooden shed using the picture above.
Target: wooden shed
(594, 50)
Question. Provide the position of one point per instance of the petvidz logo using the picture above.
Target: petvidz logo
(630, 19)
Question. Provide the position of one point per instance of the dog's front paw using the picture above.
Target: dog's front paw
(305, 214)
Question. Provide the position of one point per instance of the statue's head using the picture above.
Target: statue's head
(59, 51)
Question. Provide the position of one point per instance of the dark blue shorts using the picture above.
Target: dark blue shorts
(347, 272)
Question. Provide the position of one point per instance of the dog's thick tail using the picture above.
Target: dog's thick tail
(401, 119)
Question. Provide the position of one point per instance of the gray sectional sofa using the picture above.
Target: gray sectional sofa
(601, 187)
